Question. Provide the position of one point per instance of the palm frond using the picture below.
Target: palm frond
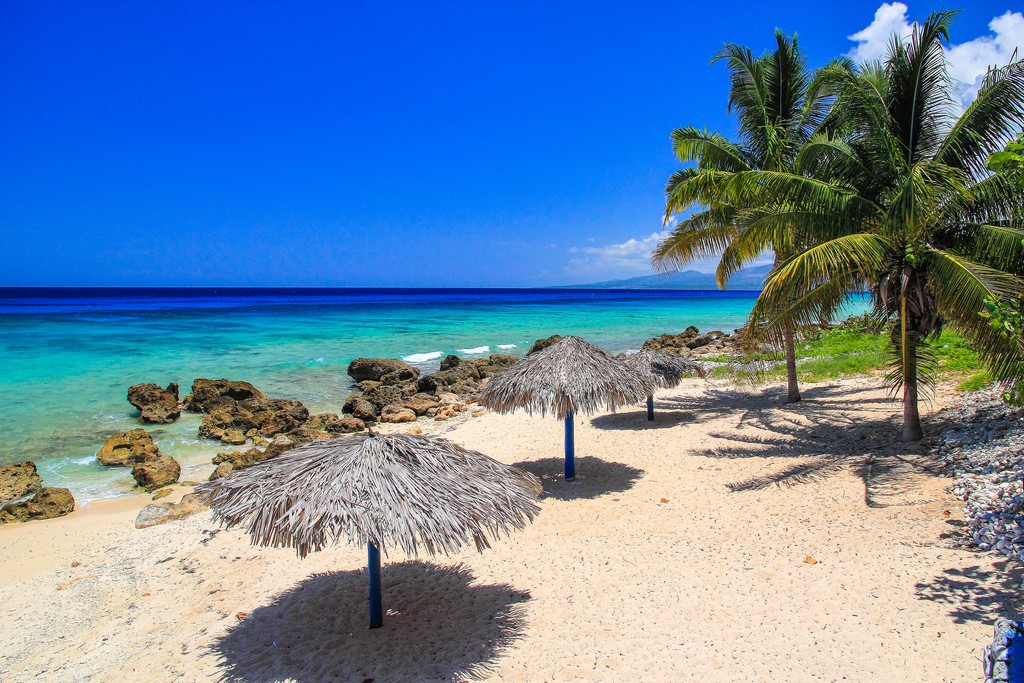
(995, 116)
(708, 149)
(961, 287)
(702, 235)
(919, 103)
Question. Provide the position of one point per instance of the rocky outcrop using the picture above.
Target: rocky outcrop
(455, 373)
(377, 368)
(236, 410)
(382, 395)
(156, 405)
(542, 344)
(387, 382)
(224, 419)
(236, 460)
(360, 408)
(127, 448)
(449, 362)
(420, 403)
(18, 481)
(332, 424)
(322, 421)
(279, 415)
(690, 342)
(161, 513)
(449, 405)
(349, 425)
(152, 474)
(495, 363)
(396, 413)
(207, 394)
(46, 504)
(399, 377)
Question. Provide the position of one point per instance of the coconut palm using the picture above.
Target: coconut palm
(897, 200)
(778, 111)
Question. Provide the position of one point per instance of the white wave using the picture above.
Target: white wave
(506, 346)
(88, 460)
(422, 357)
(475, 351)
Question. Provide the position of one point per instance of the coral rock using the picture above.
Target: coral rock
(159, 406)
(152, 474)
(46, 504)
(18, 481)
(127, 448)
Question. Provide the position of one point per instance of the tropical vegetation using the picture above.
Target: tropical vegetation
(890, 193)
(778, 113)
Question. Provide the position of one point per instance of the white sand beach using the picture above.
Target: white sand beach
(734, 538)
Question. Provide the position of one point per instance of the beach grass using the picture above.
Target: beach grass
(857, 351)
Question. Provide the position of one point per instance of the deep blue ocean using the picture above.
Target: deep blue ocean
(69, 355)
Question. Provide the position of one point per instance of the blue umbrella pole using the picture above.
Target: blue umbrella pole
(570, 449)
(376, 604)
(650, 407)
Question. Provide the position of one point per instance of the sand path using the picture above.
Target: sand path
(677, 555)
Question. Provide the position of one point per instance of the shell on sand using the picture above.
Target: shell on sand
(397, 490)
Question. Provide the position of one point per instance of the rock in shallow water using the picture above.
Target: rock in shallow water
(46, 504)
(156, 405)
(207, 394)
(127, 448)
(18, 481)
(376, 368)
(152, 474)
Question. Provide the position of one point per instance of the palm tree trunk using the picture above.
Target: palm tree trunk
(794, 388)
(912, 430)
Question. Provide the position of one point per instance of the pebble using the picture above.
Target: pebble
(985, 456)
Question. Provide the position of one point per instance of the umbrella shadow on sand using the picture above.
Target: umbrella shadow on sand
(636, 420)
(440, 626)
(599, 477)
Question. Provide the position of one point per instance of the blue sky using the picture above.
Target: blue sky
(384, 144)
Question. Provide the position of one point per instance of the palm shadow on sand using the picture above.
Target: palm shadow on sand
(438, 626)
(834, 429)
(977, 594)
(594, 477)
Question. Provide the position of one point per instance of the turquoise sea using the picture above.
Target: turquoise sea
(69, 356)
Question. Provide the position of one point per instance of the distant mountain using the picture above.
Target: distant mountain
(751, 278)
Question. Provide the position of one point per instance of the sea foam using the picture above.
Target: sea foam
(423, 357)
(475, 351)
(506, 346)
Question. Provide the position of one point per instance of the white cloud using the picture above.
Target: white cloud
(631, 258)
(968, 62)
(873, 41)
(613, 261)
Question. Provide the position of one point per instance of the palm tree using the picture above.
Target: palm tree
(896, 199)
(778, 112)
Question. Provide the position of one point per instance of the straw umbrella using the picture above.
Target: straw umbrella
(570, 376)
(384, 491)
(667, 369)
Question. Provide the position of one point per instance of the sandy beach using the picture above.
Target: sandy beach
(732, 539)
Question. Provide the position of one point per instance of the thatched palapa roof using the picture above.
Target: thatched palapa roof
(571, 375)
(668, 369)
(397, 490)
